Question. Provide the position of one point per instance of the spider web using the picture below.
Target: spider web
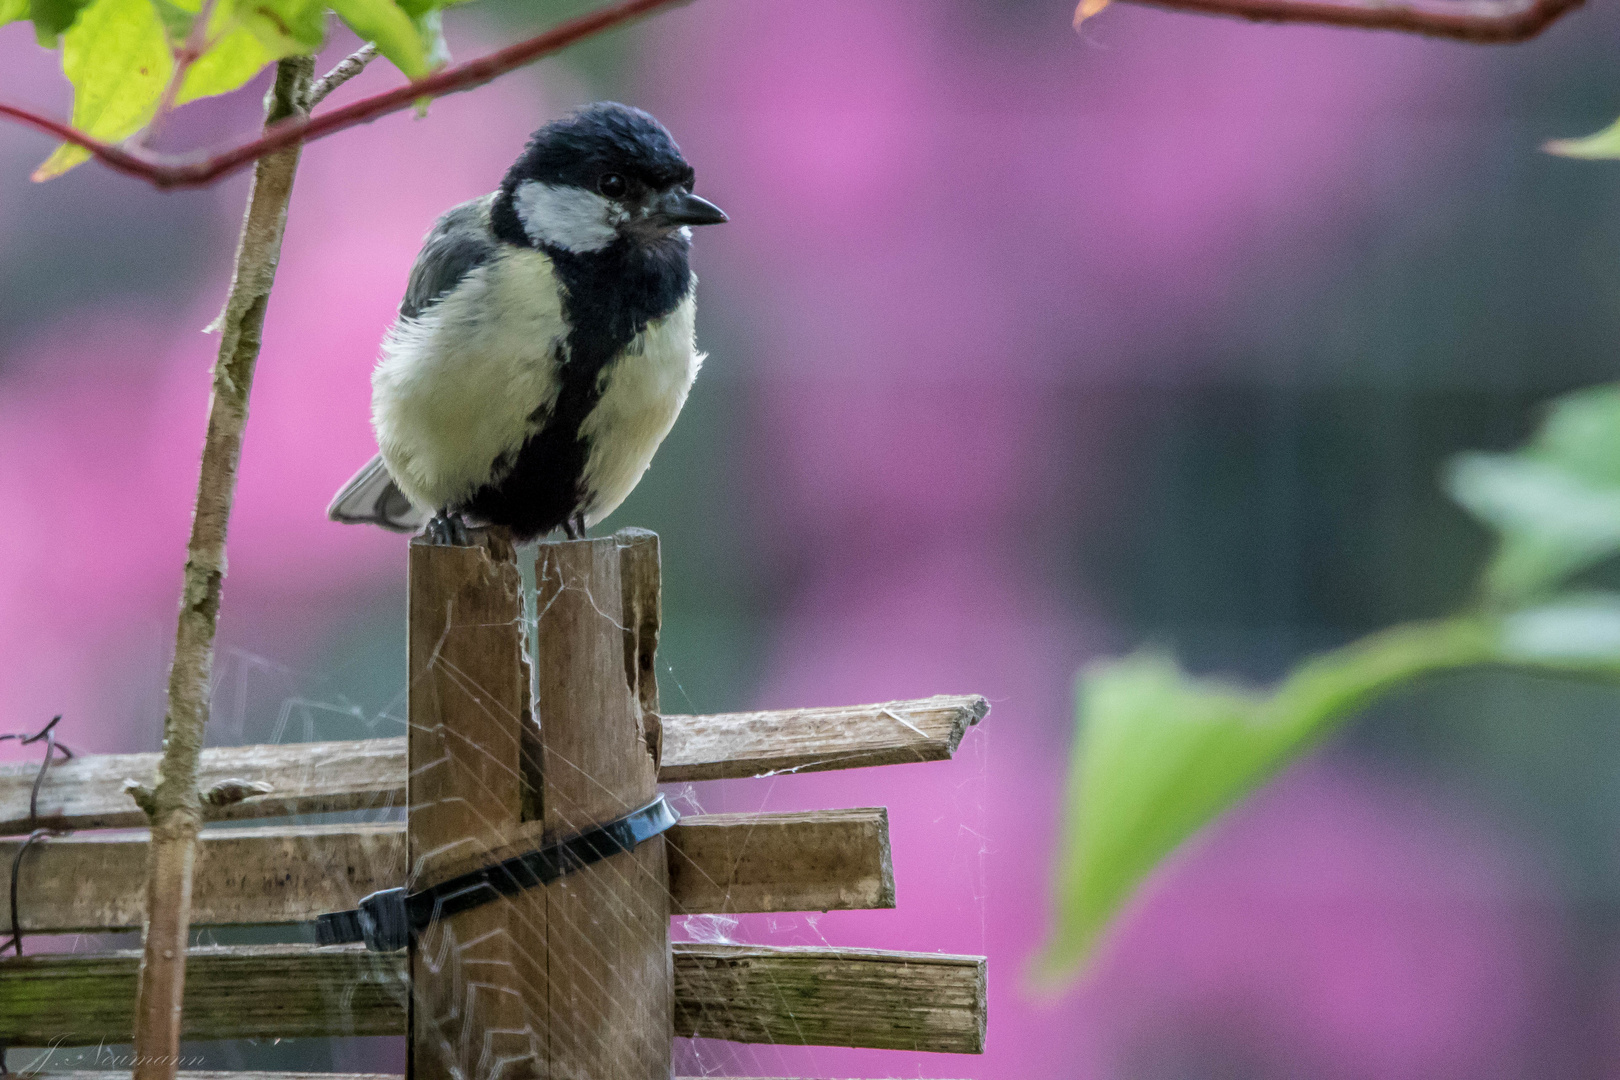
(260, 698)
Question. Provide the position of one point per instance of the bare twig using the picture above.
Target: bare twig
(175, 804)
(1486, 22)
(347, 68)
(178, 172)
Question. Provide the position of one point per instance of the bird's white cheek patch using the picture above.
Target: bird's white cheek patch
(567, 217)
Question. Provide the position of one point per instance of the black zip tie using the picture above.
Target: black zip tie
(52, 747)
(388, 919)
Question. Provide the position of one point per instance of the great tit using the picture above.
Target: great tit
(545, 344)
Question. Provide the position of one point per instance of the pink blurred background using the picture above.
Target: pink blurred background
(972, 256)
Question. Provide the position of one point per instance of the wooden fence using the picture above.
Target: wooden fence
(573, 979)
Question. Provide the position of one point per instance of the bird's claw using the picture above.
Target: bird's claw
(447, 530)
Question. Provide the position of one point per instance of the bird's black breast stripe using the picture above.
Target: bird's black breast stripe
(609, 297)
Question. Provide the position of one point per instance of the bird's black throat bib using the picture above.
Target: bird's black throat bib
(608, 297)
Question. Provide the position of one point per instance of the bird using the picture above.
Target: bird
(545, 344)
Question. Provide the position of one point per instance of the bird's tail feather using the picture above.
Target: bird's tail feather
(372, 498)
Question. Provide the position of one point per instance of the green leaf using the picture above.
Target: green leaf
(1161, 754)
(1555, 504)
(117, 58)
(12, 10)
(1580, 631)
(53, 17)
(286, 27)
(1598, 146)
(177, 16)
(246, 38)
(384, 22)
(231, 61)
(417, 8)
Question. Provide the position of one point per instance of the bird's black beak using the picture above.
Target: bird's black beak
(676, 208)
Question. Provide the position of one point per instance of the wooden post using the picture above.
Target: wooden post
(608, 968)
(573, 981)
(472, 1017)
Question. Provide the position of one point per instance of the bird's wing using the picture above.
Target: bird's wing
(458, 243)
(372, 498)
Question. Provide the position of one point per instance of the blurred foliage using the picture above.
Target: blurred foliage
(1598, 146)
(130, 59)
(1555, 505)
(1161, 754)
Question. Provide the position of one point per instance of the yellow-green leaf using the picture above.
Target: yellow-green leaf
(117, 57)
(237, 50)
(385, 22)
(1597, 146)
(230, 61)
(12, 10)
(417, 8)
(247, 35)
(286, 27)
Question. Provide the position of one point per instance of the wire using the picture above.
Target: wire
(52, 748)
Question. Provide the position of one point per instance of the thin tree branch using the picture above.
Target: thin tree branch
(175, 805)
(170, 172)
(347, 68)
(1485, 22)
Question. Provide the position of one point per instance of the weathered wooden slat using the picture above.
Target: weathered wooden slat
(184, 1074)
(113, 1074)
(822, 860)
(94, 881)
(88, 791)
(746, 993)
(249, 992)
(837, 997)
(733, 745)
(818, 860)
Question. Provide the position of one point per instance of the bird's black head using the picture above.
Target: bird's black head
(601, 175)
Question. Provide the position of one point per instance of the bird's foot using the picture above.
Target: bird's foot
(574, 527)
(579, 526)
(447, 529)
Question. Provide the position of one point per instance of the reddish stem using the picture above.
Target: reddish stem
(1486, 22)
(166, 172)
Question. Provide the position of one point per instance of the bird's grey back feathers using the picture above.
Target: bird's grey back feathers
(459, 242)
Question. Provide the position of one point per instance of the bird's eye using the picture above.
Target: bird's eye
(612, 185)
